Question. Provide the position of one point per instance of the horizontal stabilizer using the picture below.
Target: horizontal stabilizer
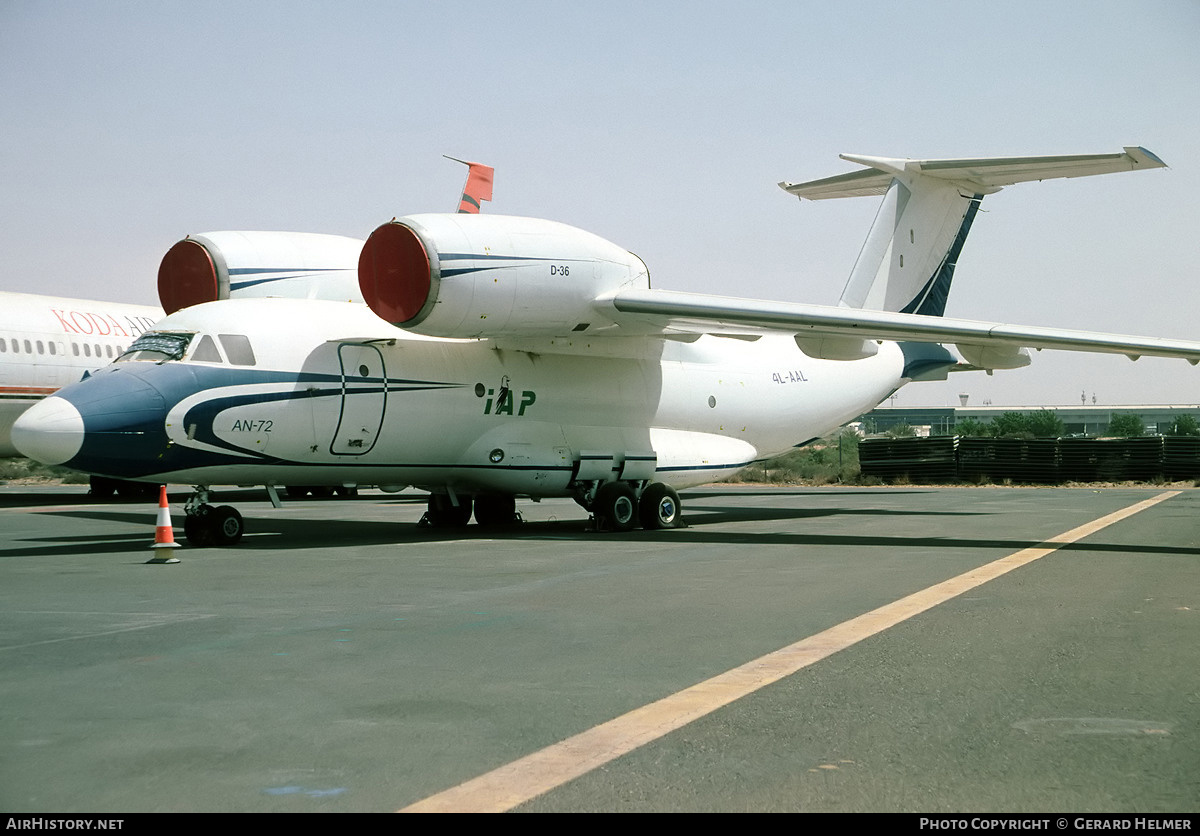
(975, 176)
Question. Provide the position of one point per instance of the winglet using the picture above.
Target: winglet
(478, 187)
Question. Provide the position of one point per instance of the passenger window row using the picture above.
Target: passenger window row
(55, 349)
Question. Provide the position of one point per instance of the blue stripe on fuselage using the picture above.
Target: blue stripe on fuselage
(124, 407)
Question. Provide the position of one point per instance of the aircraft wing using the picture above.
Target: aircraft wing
(846, 333)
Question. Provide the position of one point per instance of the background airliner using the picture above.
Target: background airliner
(504, 357)
(47, 342)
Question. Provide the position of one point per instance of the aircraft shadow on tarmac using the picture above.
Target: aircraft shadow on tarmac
(32, 499)
(703, 524)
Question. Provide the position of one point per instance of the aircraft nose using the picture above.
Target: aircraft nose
(50, 431)
(111, 423)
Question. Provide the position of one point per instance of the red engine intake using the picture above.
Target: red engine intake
(231, 264)
(394, 273)
(187, 276)
(487, 276)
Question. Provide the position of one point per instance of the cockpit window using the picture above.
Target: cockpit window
(206, 351)
(157, 346)
(237, 349)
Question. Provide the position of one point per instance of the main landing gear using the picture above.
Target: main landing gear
(615, 506)
(619, 506)
(205, 525)
(454, 510)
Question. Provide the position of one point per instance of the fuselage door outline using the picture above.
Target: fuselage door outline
(364, 399)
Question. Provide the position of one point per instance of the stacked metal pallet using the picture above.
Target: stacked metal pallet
(1181, 458)
(1017, 459)
(1038, 461)
(913, 459)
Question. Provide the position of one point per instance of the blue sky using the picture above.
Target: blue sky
(661, 126)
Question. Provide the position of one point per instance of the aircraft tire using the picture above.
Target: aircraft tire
(616, 506)
(196, 526)
(225, 525)
(442, 513)
(495, 509)
(659, 507)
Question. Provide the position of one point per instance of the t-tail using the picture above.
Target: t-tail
(908, 260)
(478, 187)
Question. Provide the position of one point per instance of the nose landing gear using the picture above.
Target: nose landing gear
(205, 525)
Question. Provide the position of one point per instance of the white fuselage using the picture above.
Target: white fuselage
(337, 396)
(47, 342)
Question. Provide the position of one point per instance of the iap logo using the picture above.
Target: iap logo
(501, 402)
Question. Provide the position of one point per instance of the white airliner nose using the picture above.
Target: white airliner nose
(50, 431)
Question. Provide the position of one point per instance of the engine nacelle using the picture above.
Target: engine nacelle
(224, 265)
(996, 356)
(491, 275)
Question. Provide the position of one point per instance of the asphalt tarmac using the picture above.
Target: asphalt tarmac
(342, 659)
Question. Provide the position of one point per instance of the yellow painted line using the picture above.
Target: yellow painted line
(537, 773)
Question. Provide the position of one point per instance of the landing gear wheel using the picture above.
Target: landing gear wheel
(225, 525)
(493, 510)
(209, 526)
(659, 507)
(616, 506)
(196, 526)
(442, 513)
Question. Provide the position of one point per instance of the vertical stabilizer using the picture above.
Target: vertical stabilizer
(908, 260)
(478, 187)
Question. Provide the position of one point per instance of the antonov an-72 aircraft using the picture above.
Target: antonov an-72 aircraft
(505, 357)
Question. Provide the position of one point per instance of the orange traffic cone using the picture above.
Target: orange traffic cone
(164, 536)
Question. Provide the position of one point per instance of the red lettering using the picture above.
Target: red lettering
(67, 327)
(116, 326)
(99, 324)
(102, 324)
(79, 329)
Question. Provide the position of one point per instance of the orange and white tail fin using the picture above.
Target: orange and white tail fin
(478, 187)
